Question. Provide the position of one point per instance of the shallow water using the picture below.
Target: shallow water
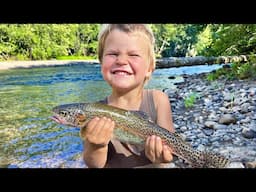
(28, 138)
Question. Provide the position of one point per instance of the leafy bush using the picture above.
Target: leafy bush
(190, 100)
(236, 70)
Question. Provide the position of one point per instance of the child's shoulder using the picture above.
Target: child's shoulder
(159, 97)
(157, 93)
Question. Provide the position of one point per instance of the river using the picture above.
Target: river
(28, 138)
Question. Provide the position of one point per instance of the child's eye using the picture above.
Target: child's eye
(114, 54)
(134, 55)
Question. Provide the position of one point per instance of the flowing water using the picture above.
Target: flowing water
(28, 138)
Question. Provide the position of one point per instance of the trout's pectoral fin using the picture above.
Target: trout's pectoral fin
(80, 118)
(136, 149)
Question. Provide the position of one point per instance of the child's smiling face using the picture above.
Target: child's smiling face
(126, 62)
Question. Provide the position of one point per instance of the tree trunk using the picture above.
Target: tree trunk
(198, 60)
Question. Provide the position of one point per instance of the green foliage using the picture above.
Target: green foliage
(183, 40)
(211, 76)
(246, 71)
(46, 41)
(190, 100)
(163, 34)
(204, 41)
(232, 39)
(237, 70)
(221, 73)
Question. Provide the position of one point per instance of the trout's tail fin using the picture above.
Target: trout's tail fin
(212, 160)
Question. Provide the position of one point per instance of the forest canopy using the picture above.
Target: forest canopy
(54, 41)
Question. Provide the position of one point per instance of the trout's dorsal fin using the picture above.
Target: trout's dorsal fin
(142, 114)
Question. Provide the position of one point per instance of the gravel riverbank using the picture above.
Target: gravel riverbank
(221, 119)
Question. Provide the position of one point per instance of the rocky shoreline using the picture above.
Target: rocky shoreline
(220, 119)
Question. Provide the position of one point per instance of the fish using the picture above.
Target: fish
(133, 127)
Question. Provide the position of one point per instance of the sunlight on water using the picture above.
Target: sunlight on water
(28, 138)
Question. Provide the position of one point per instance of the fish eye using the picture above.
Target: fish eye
(63, 113)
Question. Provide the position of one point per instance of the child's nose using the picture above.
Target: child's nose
(122, 60)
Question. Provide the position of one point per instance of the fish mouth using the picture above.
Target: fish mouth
(58, 119)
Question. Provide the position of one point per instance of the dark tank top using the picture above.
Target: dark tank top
(122, 155)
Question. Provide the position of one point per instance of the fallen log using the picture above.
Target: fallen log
(198, 60)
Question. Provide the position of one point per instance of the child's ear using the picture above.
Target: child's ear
(149, 72)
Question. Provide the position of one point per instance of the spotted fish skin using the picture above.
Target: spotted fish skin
(134, 127)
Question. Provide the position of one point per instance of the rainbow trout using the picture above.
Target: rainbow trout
(134, 127)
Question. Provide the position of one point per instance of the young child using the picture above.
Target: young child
(126, 54)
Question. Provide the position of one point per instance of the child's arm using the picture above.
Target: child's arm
(97, 136)
(154, 148)
(163, 108)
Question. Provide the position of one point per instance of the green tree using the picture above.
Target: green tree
(233, 39)
(86, 39)
(204, 41)
(163, 35)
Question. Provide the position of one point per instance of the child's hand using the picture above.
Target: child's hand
(99, 131)
(156, 152)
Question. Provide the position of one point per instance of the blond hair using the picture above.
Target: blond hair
(127, 28)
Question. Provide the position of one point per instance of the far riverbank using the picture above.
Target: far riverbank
(41, 63)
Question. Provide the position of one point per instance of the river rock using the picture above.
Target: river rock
(227, 119)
